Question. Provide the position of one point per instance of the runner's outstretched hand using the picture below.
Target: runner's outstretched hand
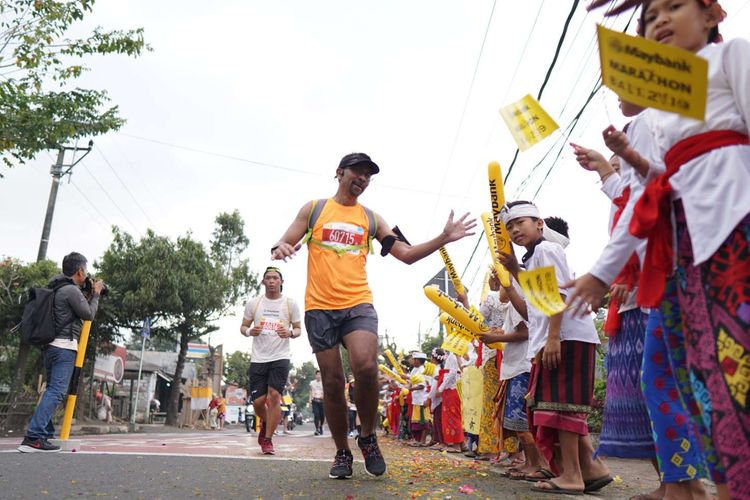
(284, 251)
(455, 230)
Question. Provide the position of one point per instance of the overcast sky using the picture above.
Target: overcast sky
(250, 105)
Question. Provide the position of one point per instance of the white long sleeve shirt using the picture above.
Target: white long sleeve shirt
(714, 188)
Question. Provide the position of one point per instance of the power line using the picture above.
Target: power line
(549, 72)
(114, 203)
(275, 166)
(463, 112)
(125, 186)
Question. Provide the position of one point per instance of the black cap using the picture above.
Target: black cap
(353, 159)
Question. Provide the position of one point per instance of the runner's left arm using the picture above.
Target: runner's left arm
(454, 230)
(288, 245)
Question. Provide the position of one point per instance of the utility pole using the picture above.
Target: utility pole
(57, 173)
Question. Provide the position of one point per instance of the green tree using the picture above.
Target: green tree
(39, 64)
(16, 278)
(236, 366)
(302, 378)
(181, 286)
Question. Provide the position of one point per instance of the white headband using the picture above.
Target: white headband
(529, 210)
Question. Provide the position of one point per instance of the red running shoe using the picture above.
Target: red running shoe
(267, 447)
(262, 432)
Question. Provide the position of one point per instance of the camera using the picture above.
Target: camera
(88, 287)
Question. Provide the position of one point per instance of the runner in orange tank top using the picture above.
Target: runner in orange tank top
(340, 310)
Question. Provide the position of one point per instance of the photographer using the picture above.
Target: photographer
(71, 308)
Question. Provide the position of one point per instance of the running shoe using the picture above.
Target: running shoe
(262, 432)
(342, 465)
(29, 445)
(266, 446)
(374, 461)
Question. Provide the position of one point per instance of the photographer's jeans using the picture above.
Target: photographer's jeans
(59, 364)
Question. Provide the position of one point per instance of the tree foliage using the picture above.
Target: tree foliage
(179, 284)
(16, 278)
(40, 106)
(236, 366)
(301, 378)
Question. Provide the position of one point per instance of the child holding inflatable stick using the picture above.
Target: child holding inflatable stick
(514, 385)
(704, 190)
(562, 378)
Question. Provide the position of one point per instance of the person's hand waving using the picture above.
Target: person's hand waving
(456, 229)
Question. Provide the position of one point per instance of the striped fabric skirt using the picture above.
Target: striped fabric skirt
(570, 386)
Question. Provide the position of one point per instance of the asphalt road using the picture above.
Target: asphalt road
(228, 464)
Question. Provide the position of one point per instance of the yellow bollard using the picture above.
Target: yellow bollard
(70, 404)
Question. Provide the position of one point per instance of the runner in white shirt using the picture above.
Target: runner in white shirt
(271, 319)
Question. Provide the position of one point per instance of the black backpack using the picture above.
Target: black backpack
(38, 322)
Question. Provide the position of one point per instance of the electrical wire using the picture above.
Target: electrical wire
(463, 112)
(127, 189)
(114, 203)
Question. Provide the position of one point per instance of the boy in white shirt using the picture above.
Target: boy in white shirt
(563, 349)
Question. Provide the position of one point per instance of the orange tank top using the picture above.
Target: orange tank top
(338, 280)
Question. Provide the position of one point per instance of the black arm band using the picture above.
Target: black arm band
(390, 240)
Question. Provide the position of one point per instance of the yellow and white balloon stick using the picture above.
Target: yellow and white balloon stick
(469, 319)
(489, 231)
(497, 200)
(392, 360)
(452, 325)
(451, 269)
(390, 373)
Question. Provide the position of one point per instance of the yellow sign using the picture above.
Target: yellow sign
(527, 122)
(541, 290)
(652, 74)
(456, 341)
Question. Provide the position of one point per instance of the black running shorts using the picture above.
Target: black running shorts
(327, 328)
(264, 375)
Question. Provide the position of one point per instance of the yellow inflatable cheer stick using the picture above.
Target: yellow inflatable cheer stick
(468, 319)
(451, 324)
(430, 368)
(497, 199)
(451, 269)
(390, 373)
(489, 231)
(396, 366)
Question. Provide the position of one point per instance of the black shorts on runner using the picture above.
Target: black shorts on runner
(264, 375)
(327, 328)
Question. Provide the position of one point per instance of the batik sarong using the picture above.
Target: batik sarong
(626, 429)
(714, 298)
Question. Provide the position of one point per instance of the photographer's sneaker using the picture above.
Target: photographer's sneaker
(29, 445)
(374, 461)
(266, 446)
(342, 465)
